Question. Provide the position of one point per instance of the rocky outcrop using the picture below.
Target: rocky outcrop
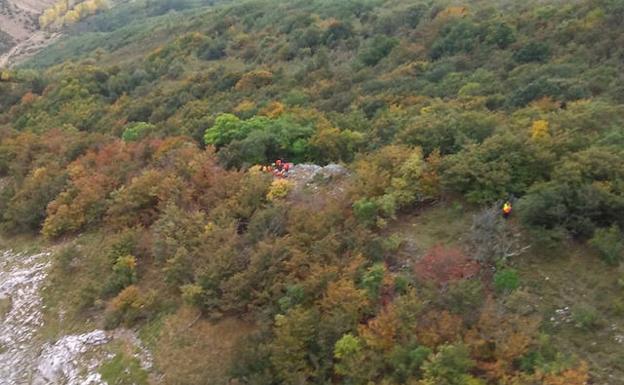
(307, 174)
(25, 358)
(21, 277)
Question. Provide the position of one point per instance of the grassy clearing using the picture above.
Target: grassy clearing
(123, 370)
(579, 298)
(149, 332)
(77, 272)
(124, 366)
(23, 243)
(191, 350)
(439, 224)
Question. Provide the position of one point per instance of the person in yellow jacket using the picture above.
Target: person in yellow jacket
(506, 209)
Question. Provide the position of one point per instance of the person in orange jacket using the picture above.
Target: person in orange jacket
(507, 209)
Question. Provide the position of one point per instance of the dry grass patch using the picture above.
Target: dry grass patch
(195, 351)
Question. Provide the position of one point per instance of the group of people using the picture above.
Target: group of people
(278, 168)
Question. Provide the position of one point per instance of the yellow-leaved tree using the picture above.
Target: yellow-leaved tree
(539, 129)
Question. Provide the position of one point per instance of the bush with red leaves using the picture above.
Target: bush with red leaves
(444, 264)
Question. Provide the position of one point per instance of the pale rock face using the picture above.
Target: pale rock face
(20, 280)
(59, 363)
(25, 359)
(306, 173)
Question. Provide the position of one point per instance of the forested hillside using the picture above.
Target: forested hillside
(131, 144)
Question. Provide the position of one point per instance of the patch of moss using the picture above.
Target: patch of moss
(123, 370)
(5, 306)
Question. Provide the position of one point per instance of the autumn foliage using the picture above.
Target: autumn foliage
(140, 139)
(442, 265)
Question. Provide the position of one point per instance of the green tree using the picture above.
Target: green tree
(227, 128)
(457, 36)
(136, 131)
(502, 35)
(346, 350)
(449, 366)
(610, 244)
(292, 352)
(26, 209)
(532, 52)
(378, 48)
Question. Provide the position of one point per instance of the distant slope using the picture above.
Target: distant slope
(131, 27)
(19, 30)
(18, 18)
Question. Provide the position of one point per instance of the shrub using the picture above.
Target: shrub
(294, 295)
(609, 243)
(450, 366)
(373, 279)
(491, 238)
(465, 296)
(136, 131)
(26, 210)
(585, 317)
(402, 283)
(279, 189)
(346, 349)
(443, 264)
(506, 280)
(407, 361)
(124, 274)
(254, 79)
(543, 206)
(258, 139)
(532, 52)
(123, 370)
(176, 228)
(192, 294)
(65, 257)
(211, 50)
(502, 35)
(88, 296)
(271, 221)
(461, 36)
(129, 306)
(530, 361)
(378, 48)
(365, 211)
(227, 127)
(178, 268)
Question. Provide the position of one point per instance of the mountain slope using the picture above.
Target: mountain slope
(136, 143)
